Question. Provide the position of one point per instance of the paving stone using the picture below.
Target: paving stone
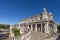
(35, 35)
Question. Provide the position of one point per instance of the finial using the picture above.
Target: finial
(44, 9)
(50, 13)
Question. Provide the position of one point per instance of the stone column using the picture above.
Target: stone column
(41, 27)
(55, 28)
(31, 27)
(35, 27)
(46, 27)
(23, 26)
(28, 26)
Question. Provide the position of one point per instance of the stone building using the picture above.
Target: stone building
(42, 22)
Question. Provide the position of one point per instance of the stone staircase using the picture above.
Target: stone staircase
(35, 35)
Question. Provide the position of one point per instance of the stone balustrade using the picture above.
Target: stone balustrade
(22, 37)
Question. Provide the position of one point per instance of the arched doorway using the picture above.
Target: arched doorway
(39, 27)
(29, 26)
(33, 27)
(51, 28)
(43, 27)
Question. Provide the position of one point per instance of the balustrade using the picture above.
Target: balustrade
(22, 37)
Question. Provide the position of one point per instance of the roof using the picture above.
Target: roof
(32, 16)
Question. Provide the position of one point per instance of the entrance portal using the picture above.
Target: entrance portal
(43, 27)
(51, 28)
(39, 27)
(33, 27)
(29, 26)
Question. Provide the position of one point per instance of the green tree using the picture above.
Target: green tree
(16, 31)
(3, 26)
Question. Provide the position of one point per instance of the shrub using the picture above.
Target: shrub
(16, 31)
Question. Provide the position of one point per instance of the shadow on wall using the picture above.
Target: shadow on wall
(58, 38)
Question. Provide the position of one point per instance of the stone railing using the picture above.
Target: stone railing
(22, 37)
(26, 36)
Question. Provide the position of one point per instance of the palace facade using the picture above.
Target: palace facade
(42, 22)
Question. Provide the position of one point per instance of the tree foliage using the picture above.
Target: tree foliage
(4, 26)
(16, 31)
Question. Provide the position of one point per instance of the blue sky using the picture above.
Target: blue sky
(12, 11)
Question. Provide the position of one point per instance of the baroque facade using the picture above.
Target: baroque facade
(42, 22)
